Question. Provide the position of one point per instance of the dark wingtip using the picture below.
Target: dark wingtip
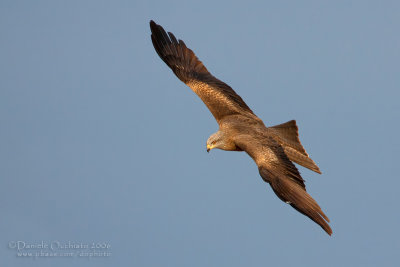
(328, 230)
(153, 25)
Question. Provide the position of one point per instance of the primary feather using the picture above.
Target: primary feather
(219, 97)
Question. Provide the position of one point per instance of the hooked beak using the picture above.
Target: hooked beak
(209, 148)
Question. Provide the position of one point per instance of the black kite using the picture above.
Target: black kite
(272, 148)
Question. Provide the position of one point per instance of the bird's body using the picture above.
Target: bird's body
(272, 148)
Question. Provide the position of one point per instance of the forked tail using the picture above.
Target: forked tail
(287, 135)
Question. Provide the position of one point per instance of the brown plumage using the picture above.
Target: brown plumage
(272, 148)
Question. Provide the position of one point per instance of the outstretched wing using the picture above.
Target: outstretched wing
(276, 169)
(219, 97)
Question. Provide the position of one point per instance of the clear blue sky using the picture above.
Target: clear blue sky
(100, 142)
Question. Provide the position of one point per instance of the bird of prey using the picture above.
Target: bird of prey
(272, 148)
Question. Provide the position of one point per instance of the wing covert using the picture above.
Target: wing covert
(219, 97)
(285, 180)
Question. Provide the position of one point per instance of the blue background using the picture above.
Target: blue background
(100, 142)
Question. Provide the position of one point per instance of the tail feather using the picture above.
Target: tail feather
(299, 158)
(287, 134)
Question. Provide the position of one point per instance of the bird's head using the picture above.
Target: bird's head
(215, 141)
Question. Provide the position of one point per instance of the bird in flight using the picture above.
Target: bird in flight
(272, 148)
